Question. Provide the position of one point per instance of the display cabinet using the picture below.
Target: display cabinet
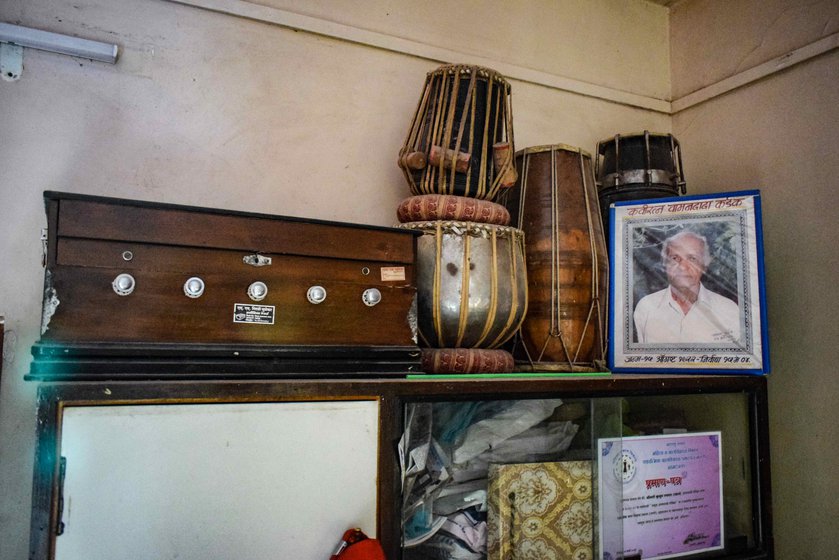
(267, 469)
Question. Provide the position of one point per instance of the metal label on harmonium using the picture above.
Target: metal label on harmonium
(258, 314)
(144, 289)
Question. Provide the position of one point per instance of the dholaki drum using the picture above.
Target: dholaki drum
(461, 138)
(555, 204)
(471, 283)
(638, 166)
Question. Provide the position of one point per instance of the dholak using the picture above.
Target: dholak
(555, 204)
(461, 138)
(471, 283)
(638, 166)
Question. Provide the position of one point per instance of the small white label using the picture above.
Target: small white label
(254, 314)
(393, 273)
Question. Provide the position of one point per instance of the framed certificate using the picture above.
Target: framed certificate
(660, 496)
(687, 290)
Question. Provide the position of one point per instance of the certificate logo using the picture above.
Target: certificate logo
(624, 466)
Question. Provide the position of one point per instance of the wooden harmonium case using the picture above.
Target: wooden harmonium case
(144, 290)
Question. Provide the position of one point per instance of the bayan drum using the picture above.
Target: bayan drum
(555, 204)
(461, 138)
(471, 283)
(637, 166)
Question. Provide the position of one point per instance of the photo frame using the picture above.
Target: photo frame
(687, 285)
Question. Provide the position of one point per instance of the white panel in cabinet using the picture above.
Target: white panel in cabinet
(198, 481)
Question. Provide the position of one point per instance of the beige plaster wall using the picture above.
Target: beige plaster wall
(712, 40)
(212, 110)
(778, 135)
(580, 39)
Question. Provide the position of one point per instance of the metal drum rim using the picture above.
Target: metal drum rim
(611, 139)
(430, 227)
(639, 176)
(549, 147)
(458, 68)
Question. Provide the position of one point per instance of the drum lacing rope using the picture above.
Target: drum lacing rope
(416, 129)
(522, 202)
(595, 273)
(448, 115)
(464, 286)
(482, 176)
(493, 301)
(470, 103)
(435, 290)
(515, 240)
(556, 330)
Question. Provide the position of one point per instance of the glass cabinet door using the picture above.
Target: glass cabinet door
(656, 476)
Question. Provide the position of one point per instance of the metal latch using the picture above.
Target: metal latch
(44, 246)
(257, 260)
(62, 472)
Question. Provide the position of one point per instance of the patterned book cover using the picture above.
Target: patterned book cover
(540, 511)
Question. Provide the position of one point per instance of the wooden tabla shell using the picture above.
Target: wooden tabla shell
(461, 138)
(555, 203)
(471, 283)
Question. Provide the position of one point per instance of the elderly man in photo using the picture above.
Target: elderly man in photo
(686, 311)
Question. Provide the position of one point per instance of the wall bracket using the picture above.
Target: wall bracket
(11, 62)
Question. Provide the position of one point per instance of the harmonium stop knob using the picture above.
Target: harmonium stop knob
(257, 291)
(194, 287)
(123, 284)
(316, 294)
(371, 297)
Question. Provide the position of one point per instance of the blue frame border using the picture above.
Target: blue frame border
(761, 281)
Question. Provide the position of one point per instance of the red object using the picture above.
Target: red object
(355, 545)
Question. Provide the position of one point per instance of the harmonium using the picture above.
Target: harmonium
(139, 290)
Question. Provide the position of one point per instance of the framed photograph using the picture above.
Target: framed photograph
(687, 288)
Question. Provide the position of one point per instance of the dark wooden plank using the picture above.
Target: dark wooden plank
(168, 224)
(2, 337)
(190, 261)
(158, 310)
(45, 476)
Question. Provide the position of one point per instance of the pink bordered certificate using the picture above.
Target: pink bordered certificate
(659, 496)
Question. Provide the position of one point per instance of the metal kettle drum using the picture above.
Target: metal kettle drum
(471, 283)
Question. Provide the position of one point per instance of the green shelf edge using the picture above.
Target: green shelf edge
(503, 375)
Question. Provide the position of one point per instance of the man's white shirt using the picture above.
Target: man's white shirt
(711, 319)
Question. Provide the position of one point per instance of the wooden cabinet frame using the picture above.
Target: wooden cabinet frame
(391, 394)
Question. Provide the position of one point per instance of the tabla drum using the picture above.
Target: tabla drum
(636, 167)
(461, 138)
(555, 204)
(471, 283)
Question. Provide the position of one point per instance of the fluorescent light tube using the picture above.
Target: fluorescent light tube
(57, 43)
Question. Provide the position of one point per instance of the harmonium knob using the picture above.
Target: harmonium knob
(257, 291)
(123, 284)
(194, 287)
(316, 294)
(371, 297)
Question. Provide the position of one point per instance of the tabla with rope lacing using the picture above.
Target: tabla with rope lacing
(461, 137)
(555, 203)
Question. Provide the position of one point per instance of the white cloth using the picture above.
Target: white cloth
(711, 319)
